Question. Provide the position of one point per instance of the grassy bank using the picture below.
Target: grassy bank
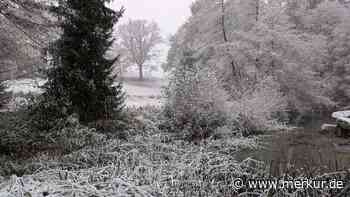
(151, 162)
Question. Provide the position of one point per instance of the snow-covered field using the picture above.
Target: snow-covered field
(25, 86)
(143, 93)
(139, 93)
(146, 92)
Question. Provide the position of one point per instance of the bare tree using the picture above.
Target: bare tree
(138, 39)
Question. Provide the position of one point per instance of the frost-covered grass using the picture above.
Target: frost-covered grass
(150, 163)
(142, 166)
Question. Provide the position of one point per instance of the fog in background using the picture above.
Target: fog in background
(169, 15)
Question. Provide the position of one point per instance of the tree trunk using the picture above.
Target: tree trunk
(140, 72)
(257, 13)
(223, 20)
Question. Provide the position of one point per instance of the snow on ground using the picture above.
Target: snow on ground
(143, 93)
(146, 92)
(51, 184)
(139, 93)
(25, 86)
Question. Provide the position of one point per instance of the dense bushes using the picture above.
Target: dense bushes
(14, 133)
(261, 108)
(18, 138)
(46, 112)
(37, 123)
(198, 103)
(195, 104)
(3, 95)
(73, 137)
(148, 166)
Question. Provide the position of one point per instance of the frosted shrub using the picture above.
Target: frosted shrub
(47, 113)
(21, 101)
(198, 105)
(74, 137)
(194, 100)
(258, 108)
(18, 138)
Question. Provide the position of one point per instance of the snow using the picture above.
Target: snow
(150, 72)
(342, 116)
(139, 93)
(143, 93)
(55, 183)
(25, 86)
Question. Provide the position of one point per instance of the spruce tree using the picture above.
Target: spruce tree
(81, 79)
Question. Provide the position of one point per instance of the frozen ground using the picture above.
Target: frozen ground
(143, 93)
(24, 86)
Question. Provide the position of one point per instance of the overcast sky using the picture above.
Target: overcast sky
(169, 14)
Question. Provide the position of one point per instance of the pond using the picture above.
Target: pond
(303, 150)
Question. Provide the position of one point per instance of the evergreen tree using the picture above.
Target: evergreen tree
(81, 79)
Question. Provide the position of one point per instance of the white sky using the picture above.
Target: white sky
(169, 14)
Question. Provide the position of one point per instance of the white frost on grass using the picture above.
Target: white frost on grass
(144, 166)
(56, 183)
